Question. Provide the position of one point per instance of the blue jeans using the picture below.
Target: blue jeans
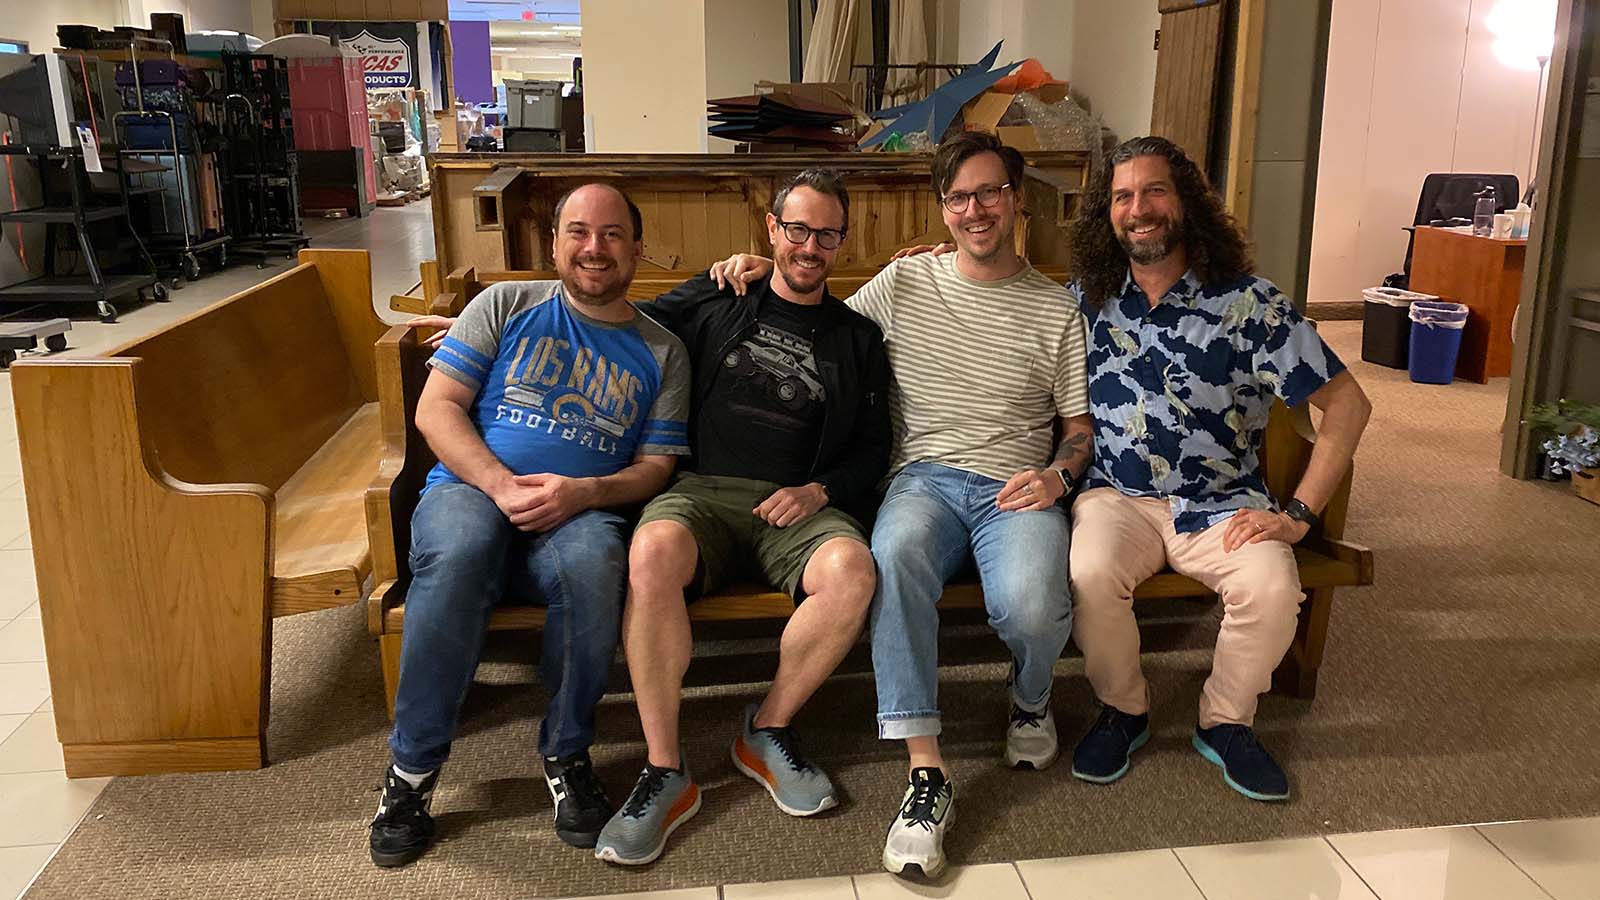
(931, 518)
(465, 557)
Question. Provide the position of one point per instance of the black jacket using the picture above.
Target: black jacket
(853, 452)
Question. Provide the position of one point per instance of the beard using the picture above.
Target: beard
(613, 284)
(803, 281)
(1154, 248)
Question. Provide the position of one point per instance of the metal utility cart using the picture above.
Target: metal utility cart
(261, 196)
(166, 191)
(72, 209)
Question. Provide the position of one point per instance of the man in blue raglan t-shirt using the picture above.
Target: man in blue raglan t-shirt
(550, 404)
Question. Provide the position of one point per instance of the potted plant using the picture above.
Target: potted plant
(1574, 443)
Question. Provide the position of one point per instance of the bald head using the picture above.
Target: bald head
(596, 248)
(595, 190)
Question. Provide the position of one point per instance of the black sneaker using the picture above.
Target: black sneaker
(581, 805)
(402, 829)
(1102, 756)
(1246, 766)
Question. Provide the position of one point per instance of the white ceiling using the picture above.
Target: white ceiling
(546, 12)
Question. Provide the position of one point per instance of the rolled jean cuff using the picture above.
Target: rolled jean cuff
(899, 726)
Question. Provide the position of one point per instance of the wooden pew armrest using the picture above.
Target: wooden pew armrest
(403, 466)
(1346, 552)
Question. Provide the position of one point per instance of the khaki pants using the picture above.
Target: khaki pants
(1117, 542)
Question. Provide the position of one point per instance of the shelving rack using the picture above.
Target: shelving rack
(261, 192)
(72, 209)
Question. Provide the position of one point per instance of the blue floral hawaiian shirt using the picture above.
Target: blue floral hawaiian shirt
(1180, 392)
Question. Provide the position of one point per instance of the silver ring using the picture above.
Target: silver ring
(1027, 489)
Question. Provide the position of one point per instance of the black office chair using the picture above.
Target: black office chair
(1449, 198)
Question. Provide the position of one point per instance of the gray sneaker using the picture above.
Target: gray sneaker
(1031, 739)
(772, 757)
(662, 800)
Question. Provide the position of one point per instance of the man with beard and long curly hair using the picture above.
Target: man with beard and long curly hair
(1188, 351)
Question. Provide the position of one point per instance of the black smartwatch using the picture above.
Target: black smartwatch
(1066, 480)
(1300, 512)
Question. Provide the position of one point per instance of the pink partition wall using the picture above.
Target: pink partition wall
(328, 98)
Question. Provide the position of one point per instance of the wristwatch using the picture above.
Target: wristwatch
(1066, 480)
(1300, 512)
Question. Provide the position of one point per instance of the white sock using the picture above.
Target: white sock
(412, 778)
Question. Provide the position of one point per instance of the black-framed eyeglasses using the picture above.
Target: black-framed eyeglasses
(958, 201)
(799, 233)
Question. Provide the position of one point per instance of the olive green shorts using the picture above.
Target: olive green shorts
(734, 543)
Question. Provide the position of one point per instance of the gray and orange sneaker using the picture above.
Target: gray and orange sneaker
(771, 756)
(662, 800)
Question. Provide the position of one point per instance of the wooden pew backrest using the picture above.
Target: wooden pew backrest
(284, 365)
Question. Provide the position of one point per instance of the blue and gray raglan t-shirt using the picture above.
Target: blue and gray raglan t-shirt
(561, 392)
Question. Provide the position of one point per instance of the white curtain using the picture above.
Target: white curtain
(908, 45)
(832, 50)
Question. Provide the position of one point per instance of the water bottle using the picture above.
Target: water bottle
(1483, 213)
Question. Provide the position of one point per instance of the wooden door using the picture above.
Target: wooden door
(1187, 65)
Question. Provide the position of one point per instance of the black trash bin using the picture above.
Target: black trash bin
(1386, 325)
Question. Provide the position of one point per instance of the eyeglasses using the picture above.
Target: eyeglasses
(958, 201)
(799, 233)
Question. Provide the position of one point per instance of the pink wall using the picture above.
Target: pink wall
(1413, 87)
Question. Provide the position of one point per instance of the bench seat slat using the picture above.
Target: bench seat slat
(321, 554)
(748, 601)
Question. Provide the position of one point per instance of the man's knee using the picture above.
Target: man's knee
(663, 556)
(1099, 577)
(842, 570)
(1027, 607)
(1272, 595)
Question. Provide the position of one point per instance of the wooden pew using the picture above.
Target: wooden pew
(1326, 562)
(184, 489)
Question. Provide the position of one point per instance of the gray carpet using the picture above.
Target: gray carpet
(1463, 687)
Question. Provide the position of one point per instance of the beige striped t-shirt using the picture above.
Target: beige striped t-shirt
(981, 368)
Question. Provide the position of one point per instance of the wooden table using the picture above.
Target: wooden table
(1486, 275)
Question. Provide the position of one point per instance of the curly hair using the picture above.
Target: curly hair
(1216, 247)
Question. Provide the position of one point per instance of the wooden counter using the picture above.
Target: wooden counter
(1486, 275)
(493, 211)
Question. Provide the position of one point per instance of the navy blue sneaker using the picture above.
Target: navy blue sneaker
(1246, 766)
(1102, 755)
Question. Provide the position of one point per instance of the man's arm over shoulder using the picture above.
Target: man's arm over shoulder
(673, 307)
(874, 299)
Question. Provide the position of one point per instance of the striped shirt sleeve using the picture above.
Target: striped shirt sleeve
(1071, 385)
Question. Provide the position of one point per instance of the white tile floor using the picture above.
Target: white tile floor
(39, 806)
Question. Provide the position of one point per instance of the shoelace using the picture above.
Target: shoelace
(405, 804)
(1021, 718)
(652, 781)
(578, 778)
(788, 744)
(1107, 720)
(920, 808)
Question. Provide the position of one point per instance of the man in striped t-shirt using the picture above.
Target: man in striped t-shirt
(988, 359)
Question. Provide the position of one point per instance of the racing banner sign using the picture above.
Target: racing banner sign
(388, 50)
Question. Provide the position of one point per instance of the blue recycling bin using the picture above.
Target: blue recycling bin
(1436, 327)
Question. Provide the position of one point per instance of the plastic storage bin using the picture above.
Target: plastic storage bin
(533, 104)
(1386, 325)
(1436, 327)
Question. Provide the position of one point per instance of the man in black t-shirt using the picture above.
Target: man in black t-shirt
(790, 435)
